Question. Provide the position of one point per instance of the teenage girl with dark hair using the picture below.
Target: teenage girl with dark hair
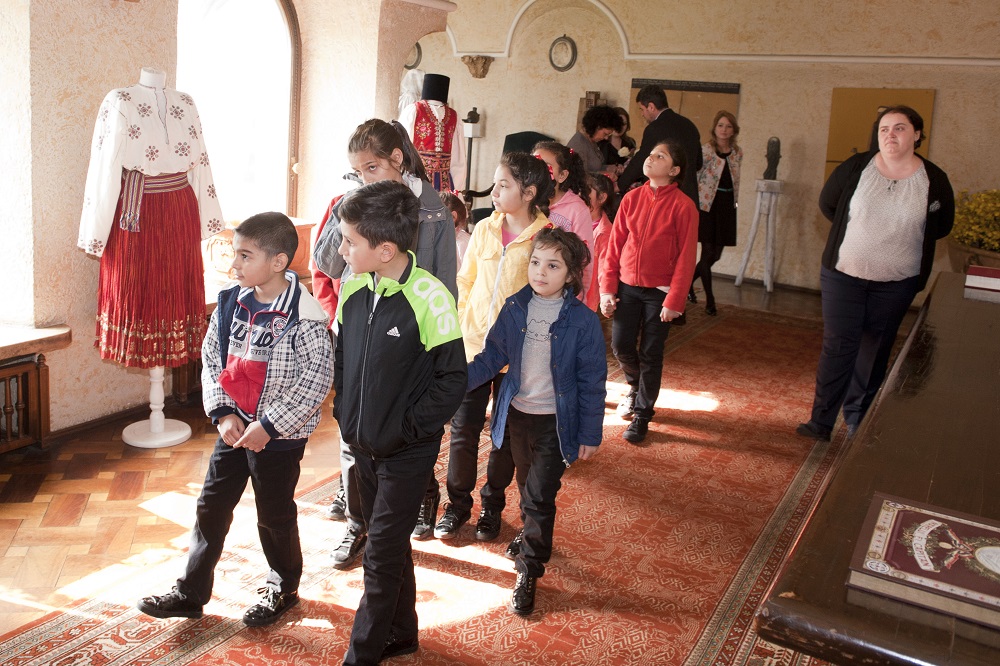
(602, 212)
(460, 215)
(567, 208)
(495, 266)
(646, 276)
(377, 151)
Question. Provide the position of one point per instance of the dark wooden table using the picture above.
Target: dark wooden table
(934, 437)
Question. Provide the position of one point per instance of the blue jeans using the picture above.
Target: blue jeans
(391, 493)
(274, 475)
(860, 321)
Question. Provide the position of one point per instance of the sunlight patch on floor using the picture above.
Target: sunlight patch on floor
(685, 401)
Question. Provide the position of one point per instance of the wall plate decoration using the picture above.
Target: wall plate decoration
(413, 59)
(562, 54)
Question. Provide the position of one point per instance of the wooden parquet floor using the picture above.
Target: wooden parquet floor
(74, 513)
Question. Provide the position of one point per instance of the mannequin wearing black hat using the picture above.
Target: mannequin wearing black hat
(436, 132)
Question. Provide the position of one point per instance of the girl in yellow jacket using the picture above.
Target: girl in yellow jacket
(495, 267)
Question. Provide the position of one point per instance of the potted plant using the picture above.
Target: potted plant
(975, 238)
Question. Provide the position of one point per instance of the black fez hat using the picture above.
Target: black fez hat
(435, 87)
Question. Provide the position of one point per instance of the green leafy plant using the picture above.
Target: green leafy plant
(977, 220)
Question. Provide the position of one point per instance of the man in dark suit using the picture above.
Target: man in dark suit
(664, 124)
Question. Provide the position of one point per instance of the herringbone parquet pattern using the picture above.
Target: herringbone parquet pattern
(92, 503)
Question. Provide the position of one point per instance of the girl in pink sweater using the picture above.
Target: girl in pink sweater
(568, 207)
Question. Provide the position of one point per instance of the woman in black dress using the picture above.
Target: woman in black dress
(718, 189)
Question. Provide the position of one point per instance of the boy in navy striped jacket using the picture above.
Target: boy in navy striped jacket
(267, 361)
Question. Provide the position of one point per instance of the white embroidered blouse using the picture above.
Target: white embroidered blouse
(134, 133)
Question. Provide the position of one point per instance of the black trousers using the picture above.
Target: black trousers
(860, 321)
(710, 254)
(274, 475)
(637, 339)
(352, 511)
(391, 492)
(463, 453)
(534, 444)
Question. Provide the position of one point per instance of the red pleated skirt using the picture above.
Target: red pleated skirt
(151, 298)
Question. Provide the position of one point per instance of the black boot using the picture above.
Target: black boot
(522, 601)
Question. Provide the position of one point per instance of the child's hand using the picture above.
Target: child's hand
(230, 428)
(254, 438)
(608, 304)
(666, 314)
(587, 452)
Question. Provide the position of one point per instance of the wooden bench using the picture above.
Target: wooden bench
(24, 382)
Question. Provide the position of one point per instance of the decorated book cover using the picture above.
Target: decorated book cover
(932, 557)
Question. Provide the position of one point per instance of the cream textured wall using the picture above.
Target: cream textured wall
(353, 55)
(339, 49)
(52, 88)
(15, 152)
(79, 51)
(60, 58)
(856, 27)
(779, 96)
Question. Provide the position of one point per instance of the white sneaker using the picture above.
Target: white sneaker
(626, 406)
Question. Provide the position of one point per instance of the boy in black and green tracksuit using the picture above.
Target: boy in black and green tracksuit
(400, 374)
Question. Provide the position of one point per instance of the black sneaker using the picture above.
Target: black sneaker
(394, 647)
(522, 601)
(271, 606)
(488, 525)
(514, 547)
(425, 519)
(814, 431)
(338, 507)
(636, 431)
(172, 604)
(447, 527)
(349, 550)
(626, 406)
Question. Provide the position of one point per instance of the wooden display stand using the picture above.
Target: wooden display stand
(767, 207)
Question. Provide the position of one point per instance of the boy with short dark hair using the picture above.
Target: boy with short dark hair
(400, 374)
(266, 371)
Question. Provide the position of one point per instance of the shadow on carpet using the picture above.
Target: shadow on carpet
(662, 551)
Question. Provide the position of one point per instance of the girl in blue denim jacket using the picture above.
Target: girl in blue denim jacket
(550, 407)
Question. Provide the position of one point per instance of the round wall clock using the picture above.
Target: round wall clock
(413, 59)
(562, 54)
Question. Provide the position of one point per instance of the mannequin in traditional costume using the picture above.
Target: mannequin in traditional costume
(149, 200)
(436, 132)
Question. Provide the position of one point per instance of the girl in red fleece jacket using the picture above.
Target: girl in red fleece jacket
(645, 278)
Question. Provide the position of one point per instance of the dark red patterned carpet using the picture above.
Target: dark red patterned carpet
(662, 551)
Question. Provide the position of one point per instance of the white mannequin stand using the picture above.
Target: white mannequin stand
(157, 432)
(767, 206)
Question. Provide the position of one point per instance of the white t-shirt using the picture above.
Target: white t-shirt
(885, 227)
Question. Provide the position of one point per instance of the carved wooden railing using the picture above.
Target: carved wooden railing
(24, 392)
(24, 382)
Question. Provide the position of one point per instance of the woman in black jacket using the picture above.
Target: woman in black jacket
(888, 208)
